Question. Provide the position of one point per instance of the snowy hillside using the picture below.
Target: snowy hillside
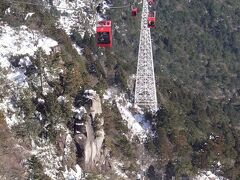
(18, 42)
(74, 16)
(79, 15)
(66, 105)
(136, 122)
(23, 42)
(208, 175)
(19, 48)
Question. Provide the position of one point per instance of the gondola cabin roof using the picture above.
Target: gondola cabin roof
(104, 26)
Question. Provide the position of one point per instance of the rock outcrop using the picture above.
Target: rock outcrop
(89, 133)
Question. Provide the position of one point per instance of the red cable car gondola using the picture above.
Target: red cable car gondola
(152, 20)
(150, 2)
(134, 11)
(104, 34)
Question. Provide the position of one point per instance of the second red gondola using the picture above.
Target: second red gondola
(134, 11)
(152, 20)
(150, 2)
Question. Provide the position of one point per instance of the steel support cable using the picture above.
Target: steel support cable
(37, 4)
(50, 6)
(120, 7)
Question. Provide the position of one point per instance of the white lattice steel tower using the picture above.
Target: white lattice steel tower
(145, 89)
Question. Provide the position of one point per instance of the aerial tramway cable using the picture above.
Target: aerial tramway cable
(104, 29)
(50, 6)
(36, 4)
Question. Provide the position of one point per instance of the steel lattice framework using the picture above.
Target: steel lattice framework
(145, 89)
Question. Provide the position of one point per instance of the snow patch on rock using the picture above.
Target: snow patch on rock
(208, 175)
(12, 116)
(108, 96)
(8, 11)
(71, 174)
(22, 41)
(136, 122)
(117, 167)
(78, 15)
(78, 112)
(46, 153)
(62, 99)
(28, 15)
(79, 50)
(18, 78)
(133, 125)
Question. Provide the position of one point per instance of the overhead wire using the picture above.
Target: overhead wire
(37, 4)
(50, 6)
(119, 7)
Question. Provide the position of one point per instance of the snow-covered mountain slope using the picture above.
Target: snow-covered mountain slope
(208, 175)
(42, 97)
(136, 122)
(139, 129)
(52, 162)
(77, 15)
(19, 48)
(23, 43)
(73, 174)
(18, 52)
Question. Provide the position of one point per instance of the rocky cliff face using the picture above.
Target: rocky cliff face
(89, 133)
